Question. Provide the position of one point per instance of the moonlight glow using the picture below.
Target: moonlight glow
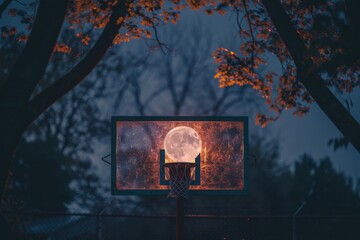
(182, 144)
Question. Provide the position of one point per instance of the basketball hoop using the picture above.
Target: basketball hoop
(193, 152)
(180, 175)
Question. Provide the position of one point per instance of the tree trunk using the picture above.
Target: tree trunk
(30, 66)
(15, 110)
(13, 122)
(12, 125)
(9, 138)
(26, 73)
(334, 110)
(313, 83)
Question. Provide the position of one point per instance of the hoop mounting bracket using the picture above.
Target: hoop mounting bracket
(164, 181)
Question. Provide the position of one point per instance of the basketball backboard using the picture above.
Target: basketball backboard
(138, 154)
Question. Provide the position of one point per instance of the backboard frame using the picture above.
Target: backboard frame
(115, 119)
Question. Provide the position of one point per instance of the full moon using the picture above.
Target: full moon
(182, 144)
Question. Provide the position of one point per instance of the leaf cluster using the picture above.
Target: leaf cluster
(328, 32)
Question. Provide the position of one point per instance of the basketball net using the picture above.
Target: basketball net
(180, 175)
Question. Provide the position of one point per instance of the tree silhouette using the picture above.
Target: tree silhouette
(180, 80)
(323, 189)
(315, 43)
(41, 177)
(18, 87)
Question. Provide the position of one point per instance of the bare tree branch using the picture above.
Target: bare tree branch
(3, 6)
(154, 95)
(31, 65)
(43, 100)
(251, 30)
(218, 102)
(315, 85)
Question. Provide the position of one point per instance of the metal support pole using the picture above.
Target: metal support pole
(294, 216)
(99, 224)
(180, 218)
(98, 227)
(294, 228)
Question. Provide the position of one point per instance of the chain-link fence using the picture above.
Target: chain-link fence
(56, 226)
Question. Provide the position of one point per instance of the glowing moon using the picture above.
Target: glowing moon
(182, 144)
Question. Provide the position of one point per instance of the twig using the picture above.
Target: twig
(251, 31)
(3, 6)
